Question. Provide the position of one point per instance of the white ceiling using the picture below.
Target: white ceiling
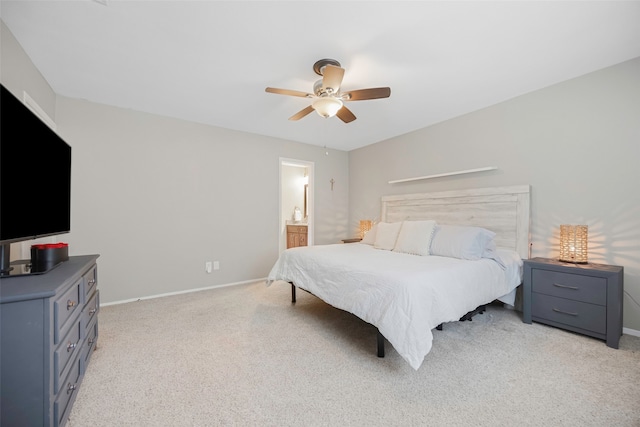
(210, 61)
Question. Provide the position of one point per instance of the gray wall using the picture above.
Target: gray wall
(158, 197)
(576, 143)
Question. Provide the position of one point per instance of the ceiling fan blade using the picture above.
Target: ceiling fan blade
(345, 115)
(373, 93)
(332, 77)
(288, 92)
(300, 114)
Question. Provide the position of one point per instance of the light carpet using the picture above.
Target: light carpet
(245, 356)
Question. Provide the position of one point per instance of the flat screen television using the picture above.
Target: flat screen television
(35, 178)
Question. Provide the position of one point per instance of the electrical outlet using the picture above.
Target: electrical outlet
(216, 265)
(207, 266)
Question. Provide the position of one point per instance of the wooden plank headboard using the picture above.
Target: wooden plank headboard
(503, 210)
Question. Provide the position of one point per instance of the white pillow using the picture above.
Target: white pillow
(415, 237)
(370, 236)
(460, 241)
(491, 252)
(386, 235)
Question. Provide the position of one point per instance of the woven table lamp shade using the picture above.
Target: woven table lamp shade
(365, 225)
(573, 243)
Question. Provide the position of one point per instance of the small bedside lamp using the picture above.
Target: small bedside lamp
(365, 225)
(573, 243)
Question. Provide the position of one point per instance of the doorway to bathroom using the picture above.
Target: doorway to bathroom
(296, 199)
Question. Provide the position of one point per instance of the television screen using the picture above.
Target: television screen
(35, 175)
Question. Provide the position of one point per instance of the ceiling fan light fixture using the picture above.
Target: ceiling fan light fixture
(327, 98)
(327, 106)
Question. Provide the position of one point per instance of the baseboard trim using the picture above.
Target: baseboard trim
(630, 331)
(168, 294)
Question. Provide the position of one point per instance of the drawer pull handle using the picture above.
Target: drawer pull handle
(93, 311)
(575, 288)
(71, 346)
(70, 388)
(90, 342)
(92, 282)
(565, 312)
(71, 304)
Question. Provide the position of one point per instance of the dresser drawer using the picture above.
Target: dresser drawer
(67, 395)
(66, 351)
(578, 314)
(65, 309)
(90, 282)
(89, 345)
(571, 286)
(90, 312)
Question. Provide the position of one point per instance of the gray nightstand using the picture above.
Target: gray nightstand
(583, 298)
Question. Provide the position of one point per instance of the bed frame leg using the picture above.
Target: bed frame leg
(293, 293)
(469, 316)
(380, 344)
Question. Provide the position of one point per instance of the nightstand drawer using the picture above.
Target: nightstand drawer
(578, 314)
(571, 286)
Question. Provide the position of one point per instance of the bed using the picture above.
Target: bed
(406, 287)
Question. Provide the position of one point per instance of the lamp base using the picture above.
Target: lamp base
(572, 261)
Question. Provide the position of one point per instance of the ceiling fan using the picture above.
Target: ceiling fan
(328, 100)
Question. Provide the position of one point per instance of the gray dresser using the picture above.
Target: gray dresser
(583, 298)
(49, 326)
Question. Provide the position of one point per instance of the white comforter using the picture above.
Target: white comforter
(404, 296)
